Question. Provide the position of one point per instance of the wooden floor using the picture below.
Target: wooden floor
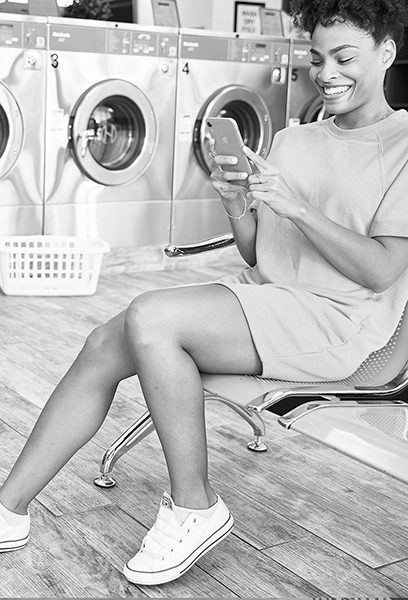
(310, 522)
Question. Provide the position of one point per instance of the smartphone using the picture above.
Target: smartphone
(228, 141)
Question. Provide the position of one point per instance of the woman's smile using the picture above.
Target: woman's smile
(334, 92)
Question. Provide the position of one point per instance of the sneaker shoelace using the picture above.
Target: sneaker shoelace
(162, 537)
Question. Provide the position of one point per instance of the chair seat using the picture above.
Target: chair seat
(251, 392)
(384, 372)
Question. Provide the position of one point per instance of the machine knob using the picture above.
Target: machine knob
(276, 75)
(32, 59)
(165, 68)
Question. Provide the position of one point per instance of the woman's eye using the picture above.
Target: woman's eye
(315, 63)
(342, 61)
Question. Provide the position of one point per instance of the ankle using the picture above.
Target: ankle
(18, 507)
(196, 498)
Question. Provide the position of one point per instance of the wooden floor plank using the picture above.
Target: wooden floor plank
(397, 572)
(305, 514)
(70, 566)
(339, 574)
(252, 575)
(359, 480)
(299, 492)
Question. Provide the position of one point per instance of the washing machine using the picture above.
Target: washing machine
(22, 102)
(304, 104)
(109, 131)
(243, 77)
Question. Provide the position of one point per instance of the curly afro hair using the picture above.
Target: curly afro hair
(380, 18)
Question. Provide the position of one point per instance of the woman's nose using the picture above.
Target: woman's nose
(327, 72)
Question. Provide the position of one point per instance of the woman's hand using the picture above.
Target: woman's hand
(228, 184)
(267, 186)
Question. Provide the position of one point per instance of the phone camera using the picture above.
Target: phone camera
(209, 124)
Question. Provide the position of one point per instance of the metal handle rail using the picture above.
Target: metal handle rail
(215, 243)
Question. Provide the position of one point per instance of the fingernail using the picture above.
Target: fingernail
(243, 175)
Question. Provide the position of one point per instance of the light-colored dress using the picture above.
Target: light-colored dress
(308, 321)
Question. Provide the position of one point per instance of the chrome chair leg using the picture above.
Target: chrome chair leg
(134, 434)
(252, 417)
(144, 425)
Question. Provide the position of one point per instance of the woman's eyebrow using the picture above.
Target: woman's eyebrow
(334, 50)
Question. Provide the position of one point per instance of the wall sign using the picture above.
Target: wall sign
(248, 17)
(271, 22)
(165, 13)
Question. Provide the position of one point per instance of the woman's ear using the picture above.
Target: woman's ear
(389, 52)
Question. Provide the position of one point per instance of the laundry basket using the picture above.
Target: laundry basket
(48, 265)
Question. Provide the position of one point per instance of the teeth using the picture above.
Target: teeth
(332, 91)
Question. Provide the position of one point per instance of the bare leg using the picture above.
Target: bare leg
(183, 330)
(72, 415)
(173, 335)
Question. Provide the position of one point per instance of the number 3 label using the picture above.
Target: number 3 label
(54, 60)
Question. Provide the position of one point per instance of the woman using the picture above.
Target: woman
(325, 238)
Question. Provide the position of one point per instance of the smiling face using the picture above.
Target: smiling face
(348, 69)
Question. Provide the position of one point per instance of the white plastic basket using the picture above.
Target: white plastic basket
(49, 265)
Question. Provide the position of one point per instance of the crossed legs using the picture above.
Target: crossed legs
(166, 337)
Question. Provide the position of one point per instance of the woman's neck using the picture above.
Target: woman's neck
(363, 118)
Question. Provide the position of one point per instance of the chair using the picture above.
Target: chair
(362, 415)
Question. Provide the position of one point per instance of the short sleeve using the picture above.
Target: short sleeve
(391, 217)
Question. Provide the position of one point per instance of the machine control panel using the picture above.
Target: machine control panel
(301, 56)
(262, 51)
(14, 34)
(113, 41)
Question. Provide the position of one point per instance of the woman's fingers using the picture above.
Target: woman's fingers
(263, 181)
(260, 163)
(255, 158)
(221, 160)
(227, 176)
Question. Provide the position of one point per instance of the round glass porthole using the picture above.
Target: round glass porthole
(250, 112)
(11, 131)
(113, 132)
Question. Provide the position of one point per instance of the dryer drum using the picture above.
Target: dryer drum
(116, 133)
(4, 131)
(11, 131)
(247, 108)
(314, 111)
(113, 132)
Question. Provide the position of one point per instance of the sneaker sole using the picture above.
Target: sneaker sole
(11, 545)
(143, 578)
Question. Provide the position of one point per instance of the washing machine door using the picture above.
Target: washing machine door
(314, 111)
(11, 131)
(250, 112)
(113, 132)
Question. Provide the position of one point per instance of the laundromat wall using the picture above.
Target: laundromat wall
(202, 14)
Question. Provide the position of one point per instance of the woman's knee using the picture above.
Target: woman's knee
(149, 318)
(97, 343)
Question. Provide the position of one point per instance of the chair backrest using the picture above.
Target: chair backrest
(387, 363)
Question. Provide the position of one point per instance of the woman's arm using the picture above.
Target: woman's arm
(372, 262)
(234, 198)
(375, 263)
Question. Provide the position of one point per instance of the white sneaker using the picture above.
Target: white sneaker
(14, 537)
(169, 549)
